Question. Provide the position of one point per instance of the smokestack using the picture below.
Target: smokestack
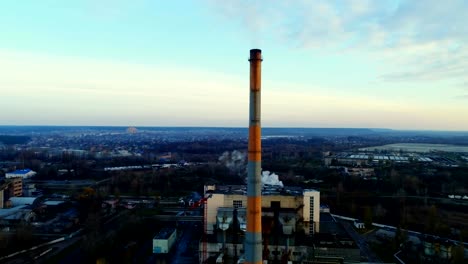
(253, 236)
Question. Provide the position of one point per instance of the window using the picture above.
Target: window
(237, 203)
(311, 214)
(275, 204)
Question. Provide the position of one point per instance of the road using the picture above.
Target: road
(182, 252)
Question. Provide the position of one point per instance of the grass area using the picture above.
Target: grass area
(419, 147)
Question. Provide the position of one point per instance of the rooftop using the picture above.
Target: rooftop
(25, 171)
(16, 201)
(53, 202)
(266, 190)
(7, 212)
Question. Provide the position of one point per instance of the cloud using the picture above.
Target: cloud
(427, 21)
(306, 24)
(416, 40)
(426, 62)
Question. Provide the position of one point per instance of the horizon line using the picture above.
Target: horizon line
(246, 127)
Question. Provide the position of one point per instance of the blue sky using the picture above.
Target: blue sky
(350, 63)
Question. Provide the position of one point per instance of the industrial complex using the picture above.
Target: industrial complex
(292, 228)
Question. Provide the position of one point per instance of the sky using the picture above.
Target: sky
(399, 64)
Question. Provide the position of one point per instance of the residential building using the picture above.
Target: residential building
(17, 186)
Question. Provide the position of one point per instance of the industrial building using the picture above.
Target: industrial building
(368, 159)
(291, 226)
(164, 240)
(19, 209)
(290, 200)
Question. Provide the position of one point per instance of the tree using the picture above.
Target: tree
(24, 233)
(432, 219)
(117, 192)
(458, 254)
(395, 178)
(339, 191)
(4, 240)
(401, 236)
(367, 217)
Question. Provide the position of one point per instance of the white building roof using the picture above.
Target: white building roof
(20, 173)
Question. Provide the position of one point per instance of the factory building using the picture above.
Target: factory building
(290, 217)
(304, 203)
(294, 227)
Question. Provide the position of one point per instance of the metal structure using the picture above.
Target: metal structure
(204, 228)
(202, 202)
(253, 236)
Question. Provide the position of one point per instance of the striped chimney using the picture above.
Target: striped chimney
(253, 236)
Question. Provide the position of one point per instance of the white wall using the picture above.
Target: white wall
(307, 208)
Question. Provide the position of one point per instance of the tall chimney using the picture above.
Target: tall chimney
(253, 236)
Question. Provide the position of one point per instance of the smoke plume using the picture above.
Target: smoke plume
(235, 161)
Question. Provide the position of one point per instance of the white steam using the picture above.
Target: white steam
(271, 179)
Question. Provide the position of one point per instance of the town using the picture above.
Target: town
(76, 194)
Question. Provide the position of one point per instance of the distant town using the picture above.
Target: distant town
(178, 195)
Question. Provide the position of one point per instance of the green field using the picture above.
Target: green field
(417, 147)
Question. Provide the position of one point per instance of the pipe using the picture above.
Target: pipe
(253, 236)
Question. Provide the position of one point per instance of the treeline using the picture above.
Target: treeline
(13, 140)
